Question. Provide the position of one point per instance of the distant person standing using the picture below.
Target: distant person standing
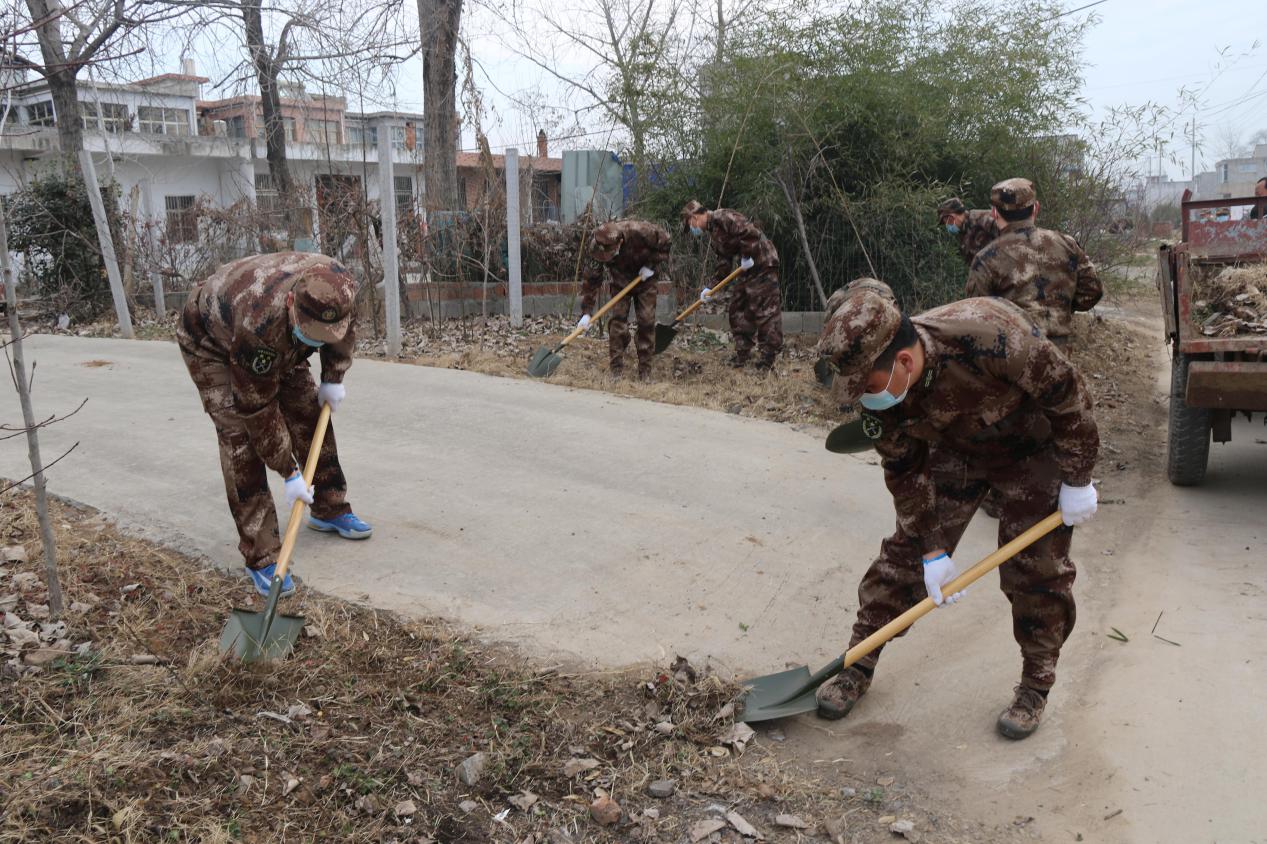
(1045, 272)
(974, 228)
(756, 308)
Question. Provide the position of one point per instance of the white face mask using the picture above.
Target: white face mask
(884, 400)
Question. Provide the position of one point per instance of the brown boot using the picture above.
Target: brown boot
(1021, 719)
(644, 372)
(766, 363)
(838, 695)
(738, 360)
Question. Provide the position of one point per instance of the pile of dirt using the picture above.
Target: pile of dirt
(122, 723)
(1232, 301)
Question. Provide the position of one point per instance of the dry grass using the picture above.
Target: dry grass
(145, 734)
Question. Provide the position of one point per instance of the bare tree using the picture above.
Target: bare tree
(70, 38)
(440, 22)
(1231, 142)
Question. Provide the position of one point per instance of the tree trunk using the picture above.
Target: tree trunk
(440, 21)
(70, 126)
(795, 205)
(23, 385)
(267, 70)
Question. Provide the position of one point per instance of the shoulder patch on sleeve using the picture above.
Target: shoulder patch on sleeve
(259, 360)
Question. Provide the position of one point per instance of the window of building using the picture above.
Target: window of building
(1248, 168)
(398, 137)
(182, 224)
(361, 135)
(404, 195)
(114, 117)
(40, 114)
(1223, 173)
(236, 126)
(288, 126)
(324, 132)
(163, 121)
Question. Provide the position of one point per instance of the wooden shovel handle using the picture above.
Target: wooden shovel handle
(611, 303)
(690, 309)
(297, 509)
(924, 607)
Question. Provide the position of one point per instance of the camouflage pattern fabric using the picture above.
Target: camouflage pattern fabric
(238, 317)
(979, 228)
(642, 299)
(1038, 582)
(642, 244)
(998, 407)
(733, 237)
(245, 474)
(254, 381)
(755, 312)
(1045, 272)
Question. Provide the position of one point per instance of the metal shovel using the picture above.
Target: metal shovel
(792, 692)
(664, 334)
(251, 636)
(545, 361)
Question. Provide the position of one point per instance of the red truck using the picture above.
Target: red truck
(1212, 378)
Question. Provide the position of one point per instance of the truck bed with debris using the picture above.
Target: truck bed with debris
(1213, 287)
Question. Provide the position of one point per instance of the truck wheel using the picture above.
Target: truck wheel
(1188, 448)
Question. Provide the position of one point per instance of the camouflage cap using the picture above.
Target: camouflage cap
(690, 208)
(954, 205)
(874, 284)
(605, 242)
(324, 296)
(857, 332)
(1013, 195)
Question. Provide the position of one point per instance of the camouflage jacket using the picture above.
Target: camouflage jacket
(994, 391)
(979, 228)
(1044, 271)
(734, 237)
(644, 245)
(238, 317)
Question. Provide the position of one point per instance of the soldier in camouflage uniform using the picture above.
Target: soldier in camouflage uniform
(755, 310)
(962, 399)
(626, 248)
(1045, 272)
(246, 334)
(975, 228)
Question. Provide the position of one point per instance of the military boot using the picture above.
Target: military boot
(838, 695)
(1021, 719)
(644, 372)
(738, 360)
(766, 363)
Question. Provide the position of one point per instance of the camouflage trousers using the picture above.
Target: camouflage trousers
(246, 476)
(642, 299)
(1038, 582)
(756, 315)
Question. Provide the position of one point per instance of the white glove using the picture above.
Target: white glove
(745, 264)
(703, 294)
(584, 322)
(937, 573)
(645, 273)
(297, 490)
(331, 394)
(1078, 503)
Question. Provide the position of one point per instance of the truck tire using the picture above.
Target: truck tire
(1188, 446)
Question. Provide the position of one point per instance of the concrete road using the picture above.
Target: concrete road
(588, 527)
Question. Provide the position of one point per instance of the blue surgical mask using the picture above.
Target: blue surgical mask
(884, 400)
(307, 341)
(696, 230)
(952, 228)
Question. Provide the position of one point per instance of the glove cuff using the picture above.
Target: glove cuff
(942, 556)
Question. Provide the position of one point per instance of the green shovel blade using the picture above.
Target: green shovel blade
(787, 693)
(664, 335)
(544, 362)
(249, 637)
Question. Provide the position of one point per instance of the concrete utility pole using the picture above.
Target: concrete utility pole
(391, 263)
(107, 243)
(512, 238)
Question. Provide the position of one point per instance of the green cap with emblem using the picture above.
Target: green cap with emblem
(324, 297)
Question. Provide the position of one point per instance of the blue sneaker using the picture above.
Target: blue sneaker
(263, 579)
(347, 526)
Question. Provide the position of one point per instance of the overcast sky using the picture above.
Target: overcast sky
(1139, 51)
